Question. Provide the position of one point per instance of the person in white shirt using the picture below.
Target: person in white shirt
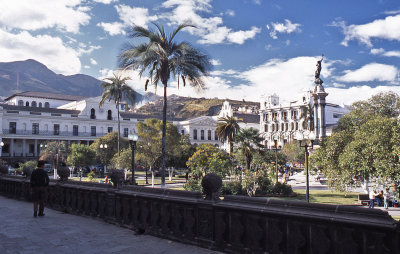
(386, 198)
(372, 195)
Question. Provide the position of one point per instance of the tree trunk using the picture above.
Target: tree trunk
(164, 137)
(119, 135)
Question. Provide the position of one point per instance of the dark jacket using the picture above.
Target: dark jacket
(39, 178)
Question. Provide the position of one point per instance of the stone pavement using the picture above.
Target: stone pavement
(59, 233)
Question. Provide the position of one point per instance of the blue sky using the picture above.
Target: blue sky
(257, 46)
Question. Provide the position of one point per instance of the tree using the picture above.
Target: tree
(293, 152)
(116, 89)
(227, 129)
(161, 57)
(80, 155)
(51, 149)
(105, 155)
(248, 142)
(209, 159)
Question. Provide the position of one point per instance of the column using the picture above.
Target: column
(35, 151)
(1, 148)
(11, 147)
(322, 122)
(23, 147)
(316, 116)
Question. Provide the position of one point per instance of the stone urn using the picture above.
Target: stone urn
(211, 184)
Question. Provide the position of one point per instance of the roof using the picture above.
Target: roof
(37, 109)
(248, 118)
(55, 96)
(142, 116)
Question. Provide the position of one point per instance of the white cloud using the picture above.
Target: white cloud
(387, 28)
(371, 72)
(86, 67)
(224, 72)
(129, 16)
(258, 2)
(381, 51)
(23, 45)
(84, 49)
(230, 12)
(93, 62)
(211, 29)
(65, 15)
(105, 1)
(288, 27)
(377, 51)
(215, 62)
(112, 29)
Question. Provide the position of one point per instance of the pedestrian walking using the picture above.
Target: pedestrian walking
(372, 195)
(386, 198)
(39, 182)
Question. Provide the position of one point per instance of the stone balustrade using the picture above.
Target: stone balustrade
(236, 224)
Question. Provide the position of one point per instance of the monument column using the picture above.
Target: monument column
(316, 118)
(319, 96)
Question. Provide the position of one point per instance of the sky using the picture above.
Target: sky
(257, 47)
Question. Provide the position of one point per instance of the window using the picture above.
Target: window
(297, 126)
(75, 130)
(195, 134)
(215, 135)
(55, 114)
(34, 104)
(27, 104)
(292, 127)
(13, 128)
(273, 127)
(209, 134)
(286, 126)
(93, 130)
(40, 104)
(266, 128)
(126, 132)
(20, 103)
(202, 134)
(47, 105)
(35, 128)
(56, 129)
(109, 115)
(92, 113)
(110, 129)
(183, 132)
(31, 148)
(282, 126)
(335, 115)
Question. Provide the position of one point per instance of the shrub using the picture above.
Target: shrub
(282, 189)
(193, 185)
(232, 188)
(116, 176)
(63, 173)
(3, 169)
(91, 176)
(27, 171)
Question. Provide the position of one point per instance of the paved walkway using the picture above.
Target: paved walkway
(60, 233)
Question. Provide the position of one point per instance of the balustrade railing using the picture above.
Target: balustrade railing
(52, 133)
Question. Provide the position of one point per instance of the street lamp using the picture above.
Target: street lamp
(1, 148)
(306, 143)
(132, 139)
(275, 146)
(103, 146)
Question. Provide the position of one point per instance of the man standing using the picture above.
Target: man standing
(372, 195)
(39, 183)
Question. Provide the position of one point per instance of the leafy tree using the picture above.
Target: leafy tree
(116, 89)
(53, 148)
(209, 159)
(227, 129)
(248, 142)
(293, 152)
(161, 57)
(105, 155)
(124, 160)
(80, 155)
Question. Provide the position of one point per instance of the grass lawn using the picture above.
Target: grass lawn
(327, 197)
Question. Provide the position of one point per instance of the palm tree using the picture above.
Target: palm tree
(160, 56)
(116, 89)
(227, 128)
(248, 140)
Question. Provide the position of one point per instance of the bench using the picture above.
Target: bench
(363, 199)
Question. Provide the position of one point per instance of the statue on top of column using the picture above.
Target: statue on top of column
(317, 80)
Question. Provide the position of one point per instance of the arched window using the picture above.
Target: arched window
(20, 103)
(273, 127)
(286, 126)
(47, 105)
(282, 126)
(215, 135)
(27, 104)
(40, 104)
(297, 126)
(195, 134)
(109, 115)
(34, 104)
(202, 134)
(209, 134)
(292, 127)
(92, 113)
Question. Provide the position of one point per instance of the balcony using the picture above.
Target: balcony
(50, 133)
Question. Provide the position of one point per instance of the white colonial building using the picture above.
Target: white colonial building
(30, 119)
(281, 121)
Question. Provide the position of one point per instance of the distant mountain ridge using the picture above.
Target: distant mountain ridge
(31, 75)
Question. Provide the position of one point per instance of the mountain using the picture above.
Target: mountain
(31, 75)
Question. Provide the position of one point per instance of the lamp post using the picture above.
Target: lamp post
(132, 139)
(275, 147)
(103, 146)
(308, 143)
(1, 148)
